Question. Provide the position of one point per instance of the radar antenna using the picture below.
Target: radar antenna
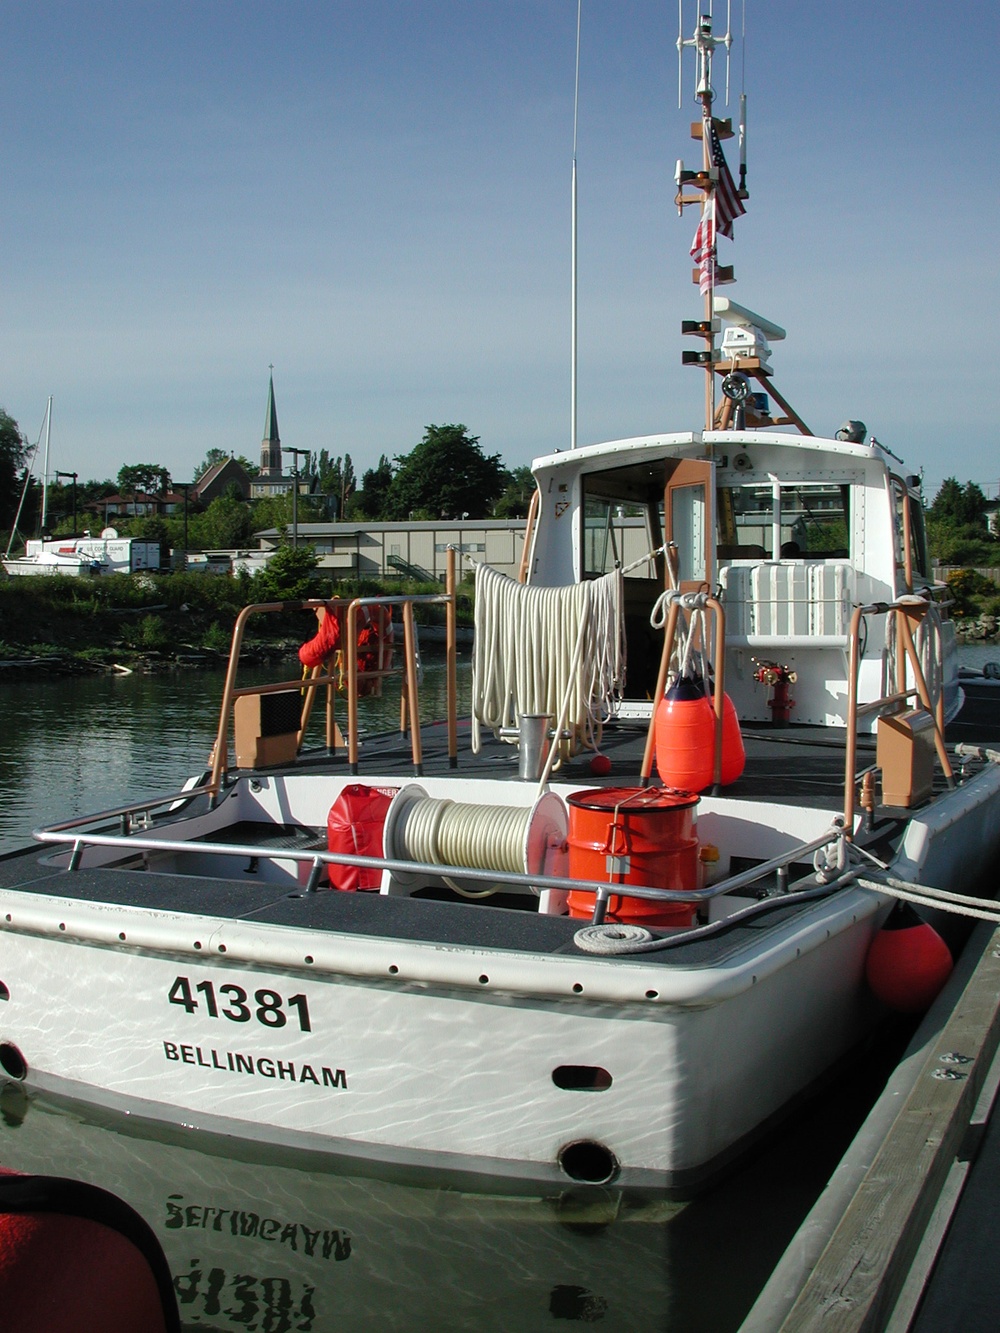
(704, 44)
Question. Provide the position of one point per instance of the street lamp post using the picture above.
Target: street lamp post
(74, 476)
(295, 493)
(185, 486)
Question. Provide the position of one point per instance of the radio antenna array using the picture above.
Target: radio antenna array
(704, 44)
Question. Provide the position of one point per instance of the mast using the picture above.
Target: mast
(720, 200)
(29, 465)
(707, 182)
(45, 465)
(573, 312)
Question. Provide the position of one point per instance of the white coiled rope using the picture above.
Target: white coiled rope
(482, 837)
(559, 651)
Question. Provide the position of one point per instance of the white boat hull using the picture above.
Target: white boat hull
(455, 1073)
(492, 1059)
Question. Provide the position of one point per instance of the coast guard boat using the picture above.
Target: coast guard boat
(610, 928)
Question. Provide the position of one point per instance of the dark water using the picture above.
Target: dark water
(270, 1242)
(77, 744)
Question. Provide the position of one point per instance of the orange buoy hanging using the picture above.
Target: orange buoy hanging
(76, 1259)
(734, 756)
(685, 736)
(634, 835)
(684, 733)
(908, 962)
(324, 642)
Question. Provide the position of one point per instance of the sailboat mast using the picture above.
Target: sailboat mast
(45, 465)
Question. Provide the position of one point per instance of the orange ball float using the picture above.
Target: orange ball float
(908, 962)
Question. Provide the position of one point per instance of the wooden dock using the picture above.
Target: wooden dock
(906, 1237)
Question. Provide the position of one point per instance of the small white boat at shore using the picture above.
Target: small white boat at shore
(68, 563)
(537, 965)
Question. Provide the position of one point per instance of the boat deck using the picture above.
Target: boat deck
(802, 766)
(794, 766)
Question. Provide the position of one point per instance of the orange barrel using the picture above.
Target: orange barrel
(634, 835)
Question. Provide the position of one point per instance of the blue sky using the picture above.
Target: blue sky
(375, 197)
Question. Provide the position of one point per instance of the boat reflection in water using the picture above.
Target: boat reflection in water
(285, 1244)
(278, 1242)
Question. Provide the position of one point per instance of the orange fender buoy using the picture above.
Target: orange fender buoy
(77, 1259)
(908, 962)
(685, 738)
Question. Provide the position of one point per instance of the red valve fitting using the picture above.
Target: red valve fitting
(779, 678)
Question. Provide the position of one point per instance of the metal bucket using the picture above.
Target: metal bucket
(533, 745)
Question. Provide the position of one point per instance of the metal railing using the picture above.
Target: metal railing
(69, 833)
(321, 676)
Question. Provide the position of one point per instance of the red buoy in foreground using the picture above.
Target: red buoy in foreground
(908, 962)
(76, 1259)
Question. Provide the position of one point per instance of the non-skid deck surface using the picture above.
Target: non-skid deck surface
(792, 765)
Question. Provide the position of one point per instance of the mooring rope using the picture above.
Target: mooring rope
(620, 938)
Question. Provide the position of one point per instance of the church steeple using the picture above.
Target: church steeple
(270, 448)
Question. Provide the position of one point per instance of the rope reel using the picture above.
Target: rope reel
(528, 840)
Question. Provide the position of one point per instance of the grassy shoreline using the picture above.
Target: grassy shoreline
(163, 622)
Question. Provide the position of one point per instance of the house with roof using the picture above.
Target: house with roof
(218, 479)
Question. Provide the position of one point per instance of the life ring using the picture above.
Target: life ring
(324, 642)
(376, 634)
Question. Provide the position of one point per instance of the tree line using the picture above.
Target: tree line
(445, 476)
(958, 532)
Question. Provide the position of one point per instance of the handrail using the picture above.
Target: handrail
(318, 679)
(447, 598)
(911, 609)
(529, 533)
(907, 535)
(61, 834)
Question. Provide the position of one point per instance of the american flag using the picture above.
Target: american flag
(728, 204)
(703, 248)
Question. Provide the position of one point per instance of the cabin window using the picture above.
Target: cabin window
(614, 533)
(814, 521)
(784, 520)
(600, 549)
(910, 501)
(622, 525)
(918, 537)
(746, 522)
